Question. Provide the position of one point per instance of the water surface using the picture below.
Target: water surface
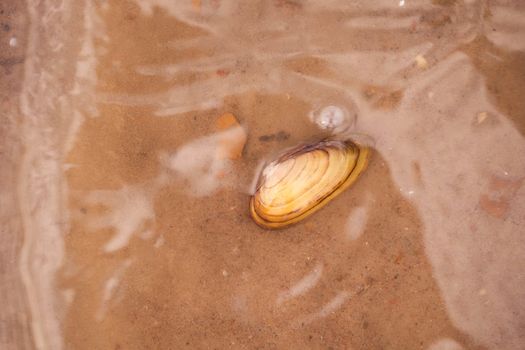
(134, 239)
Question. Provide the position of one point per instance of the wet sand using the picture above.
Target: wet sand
(406, 258)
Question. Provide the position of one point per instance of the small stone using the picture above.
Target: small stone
(225, 273)
(196, 5)
(497, 208)
(222, 72)
(226, 121)
(481, 117)
(231, 145)
(421, 62)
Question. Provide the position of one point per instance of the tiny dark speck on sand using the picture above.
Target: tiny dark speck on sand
(279, 137)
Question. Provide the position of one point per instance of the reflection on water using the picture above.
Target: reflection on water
(138, 220)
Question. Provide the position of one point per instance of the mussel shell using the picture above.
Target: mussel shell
(304, 179)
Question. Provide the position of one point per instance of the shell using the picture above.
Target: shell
(304, 179)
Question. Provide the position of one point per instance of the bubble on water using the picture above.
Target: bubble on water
(335, 119)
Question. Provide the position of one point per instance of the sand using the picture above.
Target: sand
(127, 231)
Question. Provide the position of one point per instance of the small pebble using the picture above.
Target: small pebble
(421, 62)
(13, 42)
(481, 117)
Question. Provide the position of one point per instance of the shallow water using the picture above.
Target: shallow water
(137, 237)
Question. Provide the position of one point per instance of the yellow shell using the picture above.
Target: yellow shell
(304, 179)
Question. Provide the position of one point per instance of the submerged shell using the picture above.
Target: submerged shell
(304, 179)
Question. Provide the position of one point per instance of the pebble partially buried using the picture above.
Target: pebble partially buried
(304, 179)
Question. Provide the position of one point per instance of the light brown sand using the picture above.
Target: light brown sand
(196, 272)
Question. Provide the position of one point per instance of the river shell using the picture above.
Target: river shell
(304, 179)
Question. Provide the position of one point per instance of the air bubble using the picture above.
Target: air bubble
(334, 119)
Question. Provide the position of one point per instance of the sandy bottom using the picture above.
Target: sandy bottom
(206, 276)
(155, 247)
